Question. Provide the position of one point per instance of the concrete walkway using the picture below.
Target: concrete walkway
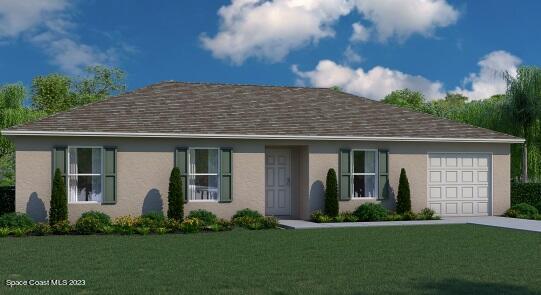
(503, 222)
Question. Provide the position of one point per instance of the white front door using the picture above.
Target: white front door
(459, 184)
(278, 182)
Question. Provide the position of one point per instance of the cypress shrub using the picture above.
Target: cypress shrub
(59, 200)
(403, 198)
(175, 196)
(331, 194)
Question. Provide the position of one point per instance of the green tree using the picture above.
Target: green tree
(100, 83)
(524, 108)
(59, 200)
(403, 198)
(406, 98)
(175, 197)
(331, 194)
(52, 93)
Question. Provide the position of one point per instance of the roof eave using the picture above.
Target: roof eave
(256, 136)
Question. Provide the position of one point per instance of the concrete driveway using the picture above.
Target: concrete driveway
(502, 222)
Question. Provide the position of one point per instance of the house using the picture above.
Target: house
(261, 147)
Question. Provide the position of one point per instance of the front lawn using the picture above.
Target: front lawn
(433, 259)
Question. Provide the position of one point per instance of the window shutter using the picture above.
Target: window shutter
(226, 175)
(60, 154)
(383, 192)
(345, 174)
(109, 175)
(181, 161)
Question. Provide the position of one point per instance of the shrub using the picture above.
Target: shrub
(409, 216)
(7, 199)
(173, 225)
(161, 230)
(42, 229)
(247, 212)
(4, 231)
(529, 193)
(190, 225)
(393, 217)
(152, 220)
(225, 224)
(89, 224)
(511, 213)
(207, 218)
(339, 218)
(13, 220)
(524, 210)
(270, 222)
(59, 200)
(403, 198)
(175, 196)
(155, 215)
(62, 228)
(102, 218)
(142, 230)
(538, 206)
(20, 231)
(108, 229)
(126, 224)
(371, 212)
(320, 217)
(426, 214)
(331, 194)
(350, 217)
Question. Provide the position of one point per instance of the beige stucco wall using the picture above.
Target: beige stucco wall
(144, 166)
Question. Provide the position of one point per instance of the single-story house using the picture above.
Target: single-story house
(266, 148)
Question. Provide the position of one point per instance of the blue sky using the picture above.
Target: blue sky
(434, 46)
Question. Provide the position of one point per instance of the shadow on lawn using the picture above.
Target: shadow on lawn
(458, 286)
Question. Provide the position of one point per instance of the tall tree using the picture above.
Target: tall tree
(403, 198)
(331, 194)
(175, 197)
(406, 98)
(58, 210)
(524, 103)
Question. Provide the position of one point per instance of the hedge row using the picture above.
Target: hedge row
(529, 193)
(7, 199)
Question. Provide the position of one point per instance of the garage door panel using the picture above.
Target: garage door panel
(459, 183)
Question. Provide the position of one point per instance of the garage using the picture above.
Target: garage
(459, 184)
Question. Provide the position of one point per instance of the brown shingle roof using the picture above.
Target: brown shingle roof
(220, 109)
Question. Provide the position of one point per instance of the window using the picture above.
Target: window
(85, 174)
(364, 174)
(203, 174)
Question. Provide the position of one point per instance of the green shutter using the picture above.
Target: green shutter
(109, 175)
(181, 161)
(226, 175)
(383, 192)
(60, 161)
(345, 174)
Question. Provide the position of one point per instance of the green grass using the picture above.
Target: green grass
(433, 259)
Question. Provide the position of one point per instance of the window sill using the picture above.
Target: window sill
(202, 201)
(86, 202)
(365, 198)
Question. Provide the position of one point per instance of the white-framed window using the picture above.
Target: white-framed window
(85, 174)
(364, 169)
(203, 174)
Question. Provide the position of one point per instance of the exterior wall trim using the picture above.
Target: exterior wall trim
(256, 136)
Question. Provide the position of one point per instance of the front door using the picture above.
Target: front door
(278, 182)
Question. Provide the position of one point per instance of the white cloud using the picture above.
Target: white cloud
(360, 33)
(270, 29)
(375, 83)
(48, 25)
(489, 81)
(401, 19)
(351, 56)
(18, 16)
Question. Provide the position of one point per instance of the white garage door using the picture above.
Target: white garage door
(459, 184)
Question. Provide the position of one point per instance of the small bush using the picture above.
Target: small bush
(270, 222)
(225, 224)
(152, 220)
(4, 231)
(320, 217)
(20, 231)
(409, 216)
(350, 217)
(190, 225)
(247, 212)
(393, 217)
(538, 206)
(89, 224)
(161, 230)
(108, 229)
(102, 218)
(62, 227)
(142, 230)
(156, 215)
(371, 212)
(172, 225)
(42, 229)
(511, 213)
(214, 227)
(126, 224)
(537, 217)
(525, 209)
(331, 194)
(339, 218)
(403, 198)
(16, 220)
(426, 214)
(206, 217)
(529, 193)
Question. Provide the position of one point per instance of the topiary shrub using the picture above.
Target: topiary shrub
(206, 217)
(59, 200)
(403, 198)
(89, 224)
(16, 220)
(175, 196)
(331, 194)
(371, 212)
(103, 218)
(247, 212)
